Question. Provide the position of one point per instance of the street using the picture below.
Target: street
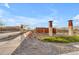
(8, 46)
(3, 35)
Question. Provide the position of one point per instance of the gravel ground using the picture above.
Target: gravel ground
(33, 46)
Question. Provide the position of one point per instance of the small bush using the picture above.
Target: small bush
(61, 39)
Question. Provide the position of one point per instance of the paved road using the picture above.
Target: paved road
(7, 47)
(3, 35)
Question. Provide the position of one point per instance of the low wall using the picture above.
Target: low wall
(44, 30)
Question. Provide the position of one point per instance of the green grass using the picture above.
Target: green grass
(61, 39)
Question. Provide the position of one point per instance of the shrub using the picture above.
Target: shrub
(61, 39)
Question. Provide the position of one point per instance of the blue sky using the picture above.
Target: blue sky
(38, 14)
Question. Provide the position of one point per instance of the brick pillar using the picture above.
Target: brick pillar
(70, 27)
(50, 28)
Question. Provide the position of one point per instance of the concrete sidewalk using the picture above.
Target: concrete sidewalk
(2, 35)
(7, 47)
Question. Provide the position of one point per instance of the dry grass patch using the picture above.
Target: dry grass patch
(60, 39)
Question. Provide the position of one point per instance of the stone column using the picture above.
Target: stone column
(70, 27)
(50, 28)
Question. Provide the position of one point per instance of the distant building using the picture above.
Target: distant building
(44, 30)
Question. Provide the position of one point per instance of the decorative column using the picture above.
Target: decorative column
(70, 27)
(50, 28)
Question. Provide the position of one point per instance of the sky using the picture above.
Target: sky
(38, 14)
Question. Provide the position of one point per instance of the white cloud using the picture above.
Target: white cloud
(10, 20)
(35, 22)
(76, 20)
(17, 20)
(31, 21)
(7, 5)
(1, 12)
(4, 13)
(76, 17)
(54, 12)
